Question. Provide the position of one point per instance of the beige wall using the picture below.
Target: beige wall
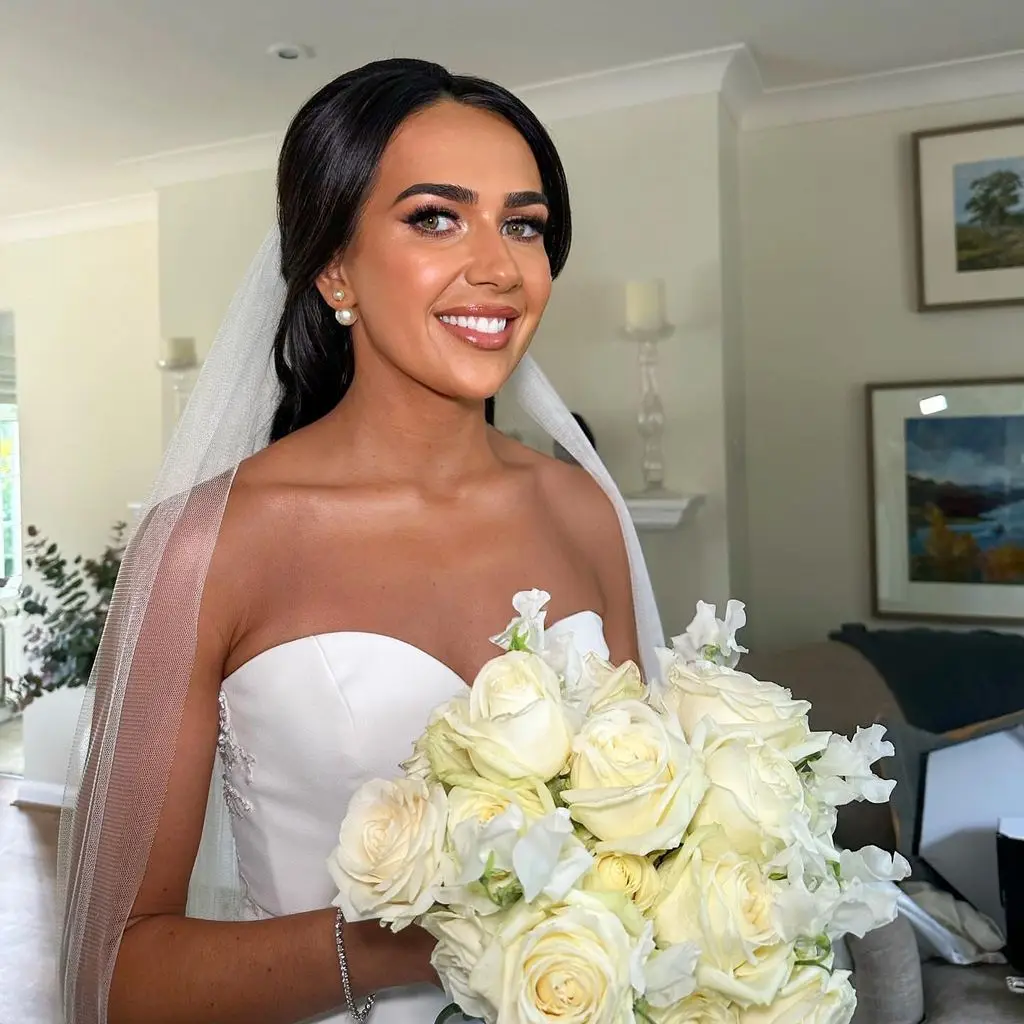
(85, 320)
(645, 190)
(827, 291)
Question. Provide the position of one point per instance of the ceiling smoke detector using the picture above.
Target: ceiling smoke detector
(291, 51)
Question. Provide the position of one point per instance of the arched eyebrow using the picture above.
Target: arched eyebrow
(466, 196)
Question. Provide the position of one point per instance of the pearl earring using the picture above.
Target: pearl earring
(339, 295)
(346, 317)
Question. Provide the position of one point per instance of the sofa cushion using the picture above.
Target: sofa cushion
(944, 679)
(979, 995)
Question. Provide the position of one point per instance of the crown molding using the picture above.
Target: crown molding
(632, 85)
(197, 163)
(691, 74)
(67, 220)
(959, 81)
(731, 72)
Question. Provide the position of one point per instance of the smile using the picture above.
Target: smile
(482, 324)
(486, 328)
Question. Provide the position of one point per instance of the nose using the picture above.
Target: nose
(491, 260)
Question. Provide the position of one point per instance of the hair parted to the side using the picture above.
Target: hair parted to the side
(327, 167)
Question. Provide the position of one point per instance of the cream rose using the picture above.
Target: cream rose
(634, 782)
(461, 941)
(627, 873)
(568, 962)
(700, 1008)
(390, 862)
(735, 698)
(726, 906)
(754, 794)
(515, 726)
(811, 996)
(438, 753)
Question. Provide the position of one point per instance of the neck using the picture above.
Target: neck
(407, 432)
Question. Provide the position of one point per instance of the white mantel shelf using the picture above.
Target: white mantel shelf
(662, 513)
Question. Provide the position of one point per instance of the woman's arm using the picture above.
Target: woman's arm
(170, 968)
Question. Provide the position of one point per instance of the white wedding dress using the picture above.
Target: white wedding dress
(303, 725)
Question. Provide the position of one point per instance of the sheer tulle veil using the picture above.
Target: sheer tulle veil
(133, 709)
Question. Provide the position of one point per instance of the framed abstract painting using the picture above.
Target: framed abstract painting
(946, 486)
(969, 206)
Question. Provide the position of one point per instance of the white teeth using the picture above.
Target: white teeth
(482, 324)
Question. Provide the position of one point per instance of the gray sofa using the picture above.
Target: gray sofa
(893, 986)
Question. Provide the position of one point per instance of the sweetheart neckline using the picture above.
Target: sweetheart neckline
(559, 625)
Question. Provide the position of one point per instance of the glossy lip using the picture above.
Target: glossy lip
(478, 339)
(491, 312)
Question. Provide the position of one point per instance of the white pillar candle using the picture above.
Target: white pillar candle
(180, 352)
(645, 305)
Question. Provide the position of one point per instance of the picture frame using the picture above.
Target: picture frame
(946, 500)
(968, 186)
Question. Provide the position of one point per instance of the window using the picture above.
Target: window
(10, 458)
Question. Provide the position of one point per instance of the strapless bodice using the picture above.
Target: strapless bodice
(303, 725)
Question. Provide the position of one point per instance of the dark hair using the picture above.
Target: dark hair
(328, 164)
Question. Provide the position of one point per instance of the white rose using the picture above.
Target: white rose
(735, 698)
(568, 962)
(461, 941)
(754, 793)
(610, 684)
(438, 753)
(628, 873)
(811, 996)
(700, 1008)
(634, 782)
(389, 862)
(516, 727)
(726, 907)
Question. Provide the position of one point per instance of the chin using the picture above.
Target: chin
(477, 379)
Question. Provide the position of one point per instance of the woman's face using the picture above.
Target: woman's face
(447, 270)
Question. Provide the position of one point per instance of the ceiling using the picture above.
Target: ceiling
(86, 85)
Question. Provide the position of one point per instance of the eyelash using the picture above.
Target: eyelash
(417, 217)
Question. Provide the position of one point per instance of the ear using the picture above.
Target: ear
(331, 282)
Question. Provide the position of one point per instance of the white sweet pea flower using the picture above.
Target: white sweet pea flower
(712, 641)
(549, 859)
(670, 975)
(843, 772)
(869, 895)
(526, 631)
(485, 846)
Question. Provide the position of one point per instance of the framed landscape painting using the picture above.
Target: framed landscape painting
(946, 484)
(969, 205)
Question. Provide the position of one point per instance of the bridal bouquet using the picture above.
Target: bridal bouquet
(590, 850)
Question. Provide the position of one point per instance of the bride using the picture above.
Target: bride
(335, 533)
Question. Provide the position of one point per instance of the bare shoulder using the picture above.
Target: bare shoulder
(575, 499)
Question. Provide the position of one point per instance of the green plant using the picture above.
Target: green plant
(65, 615)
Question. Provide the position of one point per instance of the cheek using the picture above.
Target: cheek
(418, 277)
(536, 274)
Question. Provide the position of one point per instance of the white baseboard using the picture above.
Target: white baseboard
(39, 794)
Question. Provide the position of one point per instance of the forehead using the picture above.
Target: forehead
(455, 144)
